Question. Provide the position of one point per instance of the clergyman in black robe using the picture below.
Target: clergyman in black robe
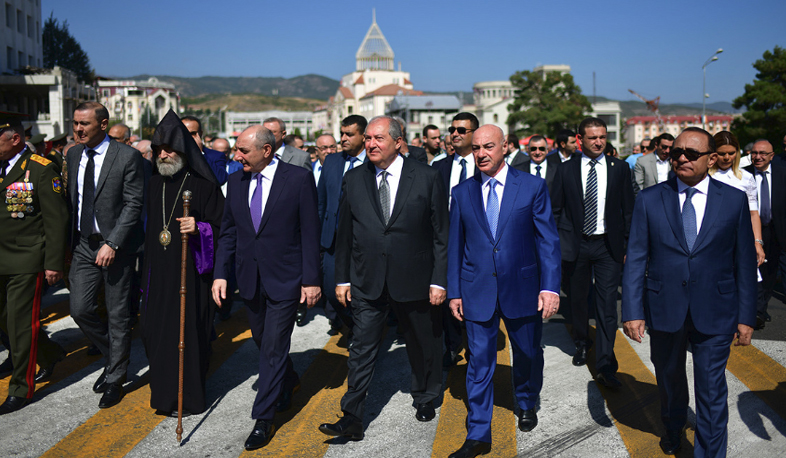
(179, 166)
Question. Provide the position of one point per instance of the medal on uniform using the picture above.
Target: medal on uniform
(165, 237)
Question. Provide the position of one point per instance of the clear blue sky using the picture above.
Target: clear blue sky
(655, 48)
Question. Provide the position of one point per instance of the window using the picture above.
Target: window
(21, 61)
(610, 120)
(38, 35)
(9, 16)
(130, 116)
(20, 22)
(106, 94)
(430, 121)
(349, 110)
(496, 119)
(30, 60)
(9, 58)
(130, 105)
(30, 28)
(611, 136)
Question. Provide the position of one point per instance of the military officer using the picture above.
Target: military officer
(32, 251)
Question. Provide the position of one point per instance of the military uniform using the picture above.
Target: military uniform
(33, 239)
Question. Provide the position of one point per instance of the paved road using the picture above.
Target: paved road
(577, 418)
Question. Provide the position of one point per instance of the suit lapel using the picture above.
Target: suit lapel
(371, 189)
(671, 206)
(714, 204)
(245, 182)
(404, 186)
(278, 184)
(508, 200)
(109, 159)
(476, 197)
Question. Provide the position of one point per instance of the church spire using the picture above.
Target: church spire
(374, 53)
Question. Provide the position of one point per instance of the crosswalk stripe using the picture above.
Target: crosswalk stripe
(765, 377)
(55, 313)
(322, 386)
(114, 432)
(451, 429)
(636, 405)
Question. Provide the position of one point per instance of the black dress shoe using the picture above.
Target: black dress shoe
(45, 373)
(100, 385)
(186, 413)
(471, 448)
(528, 420)
(301, 317)
(580, 357)
(261, 435)
(112, 396)
(285, 400)
(12, 404)
(7, 367)
(608, 380)
(672, 441)
(348, 426)
(425, 412)
(760, 323)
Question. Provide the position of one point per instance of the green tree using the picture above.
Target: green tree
(765, 101)
(546, 104)
(60, 48)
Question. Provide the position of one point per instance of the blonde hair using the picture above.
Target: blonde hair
(724, 138)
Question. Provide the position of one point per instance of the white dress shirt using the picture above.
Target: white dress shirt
(98, 161)
(317, 169)
(267, 181)
(280, 151)
(455, 171)
(361, 157)
(699, 199)
(562, 156)
(533, 168)
(509, 158)
(600, 172)
(747, 185)
(663, 168)
(14, 160)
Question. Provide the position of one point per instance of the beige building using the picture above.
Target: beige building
(21, 36)
(237, 122)
(639, 127)
(421, 110)
(128, 101)
(372, 85)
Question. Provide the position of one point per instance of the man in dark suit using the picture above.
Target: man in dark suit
(540, 163)
(566, 145)
(503, 262)
(215, 159)
(329, 191)
(454, 170)
(515, 156)
(270, 232)
(771, 183)
(32, 253)
(287, 153)
(105, 191)
(391, 251)
(593, 201)
(690, 276)
(411, 151)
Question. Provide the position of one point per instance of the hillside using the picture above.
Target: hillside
(249, 102)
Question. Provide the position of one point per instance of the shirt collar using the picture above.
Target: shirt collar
(394, 168)
(268, 171)
(585, 160)
(458, 158)
(703, 186)
(501, 176)
(101, 147)
(361, 156)
(280, 151)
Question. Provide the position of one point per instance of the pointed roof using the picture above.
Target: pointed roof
(375, 52)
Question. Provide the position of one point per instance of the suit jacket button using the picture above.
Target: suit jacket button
(496, 250)
(684, 283)
(494, 274)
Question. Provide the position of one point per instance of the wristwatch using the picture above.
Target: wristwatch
(760, 242)
(112, 245)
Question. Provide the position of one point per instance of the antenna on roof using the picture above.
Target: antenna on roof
(374, 15)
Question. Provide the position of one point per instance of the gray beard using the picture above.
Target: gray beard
(171, 166)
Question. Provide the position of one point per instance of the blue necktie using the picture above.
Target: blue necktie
(352, 161)
(492, 208)
(591, 200)
(537, 171)
(463, 174)
(689, 218)
(766, 207)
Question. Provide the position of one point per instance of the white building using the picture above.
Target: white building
(128, 101)
(21, 35)
(610, 112)
(236, 122)
(48, 98)
(420, 111)
(639, 127)
(372, 85)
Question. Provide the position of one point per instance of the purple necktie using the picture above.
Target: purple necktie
(256, 204)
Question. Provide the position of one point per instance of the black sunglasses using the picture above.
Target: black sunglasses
(537, 148)
(690, 154)
(461, 130)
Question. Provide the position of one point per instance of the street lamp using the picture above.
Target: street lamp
(704, 94)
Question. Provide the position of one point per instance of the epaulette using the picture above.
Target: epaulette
(41, 160)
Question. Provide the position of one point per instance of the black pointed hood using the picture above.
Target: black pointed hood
(171, 131)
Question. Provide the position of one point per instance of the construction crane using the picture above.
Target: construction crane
(652, 105)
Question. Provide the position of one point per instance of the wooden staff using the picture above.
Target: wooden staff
(182, 345)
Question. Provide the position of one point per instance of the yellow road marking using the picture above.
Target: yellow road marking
(101, 436)
(765, 377)
(451, 429)
(323, 384)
